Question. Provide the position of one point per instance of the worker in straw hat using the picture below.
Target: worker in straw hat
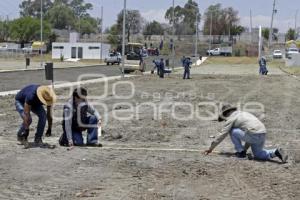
(244, 126)
(31, 99)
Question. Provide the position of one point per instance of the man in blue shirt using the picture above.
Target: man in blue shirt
(186, 64)
(263, 66)
(79, 116)
(161, 68)
(32, 98)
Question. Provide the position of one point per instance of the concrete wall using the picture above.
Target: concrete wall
(89, 50)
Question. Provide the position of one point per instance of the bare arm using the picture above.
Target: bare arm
(27, 116)
(50, 119)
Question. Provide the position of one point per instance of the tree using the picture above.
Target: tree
(133, 22)
(222, 21)
(80, 8)
(87, 25)
(4, 30)
(184, 17)
(114, 37)
(153, 28)
(27, 29)
(61, 16)
(266, 32)
(290, 35)
(33, 8)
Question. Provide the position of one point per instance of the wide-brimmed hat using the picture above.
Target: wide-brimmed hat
(46, 95)
(224, 110)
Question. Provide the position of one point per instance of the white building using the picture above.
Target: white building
(79, 50)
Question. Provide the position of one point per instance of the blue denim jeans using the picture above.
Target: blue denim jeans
(92, 133)
(186, 73)
(39, 111)
(256, 141)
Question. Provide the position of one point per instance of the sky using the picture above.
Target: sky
(155, 10)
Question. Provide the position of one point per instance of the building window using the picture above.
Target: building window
(94, 47)
(58, 47)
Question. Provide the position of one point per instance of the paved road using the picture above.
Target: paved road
(16, 80)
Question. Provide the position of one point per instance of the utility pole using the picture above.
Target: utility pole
(123, 39)
(41, 47)
(296, 33)
(196, 42)
(210, 32)
(101, 37)
(173, 33)
(271, 27)
(251, 25)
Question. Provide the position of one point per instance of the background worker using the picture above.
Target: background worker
(187, 66)
(31, 99)
(79, 116)
(263, 66)
(162, 68)
(244, 126)
(156, 66)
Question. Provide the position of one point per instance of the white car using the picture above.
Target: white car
(277, 54)
(3, 47)
(292, 51)
(27, 49)
(113, 58)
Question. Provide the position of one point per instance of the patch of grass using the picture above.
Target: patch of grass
(231, 60)
(292, 70)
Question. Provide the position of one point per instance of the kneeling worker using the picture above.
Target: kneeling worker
(31, 99)
(78, 116)
(244, 126)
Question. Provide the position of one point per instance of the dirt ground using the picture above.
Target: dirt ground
(151, 170)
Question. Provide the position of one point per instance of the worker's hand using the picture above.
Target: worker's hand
(99, 123)
(71, 145)
(48, 132)
(207, 152)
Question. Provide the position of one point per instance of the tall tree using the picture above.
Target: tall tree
(133, 22)
(290, 35)
(32, 8)
(80, 8)
(222, 21)
(61, 16)
(153, 28)
(184, 17)
(27, 29)
(4, 30)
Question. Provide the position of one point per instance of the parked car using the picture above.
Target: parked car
(3, 47)
(113, 58)
(277, 54)
(291, 51)
(27, 49)
(222, 51)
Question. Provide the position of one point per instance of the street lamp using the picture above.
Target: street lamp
(41, 45)
(123, 39)
(173, 33)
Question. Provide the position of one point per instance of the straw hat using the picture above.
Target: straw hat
(224, 110)
(46, 95)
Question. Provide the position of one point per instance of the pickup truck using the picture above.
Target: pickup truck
(113, 58)
(222, 51)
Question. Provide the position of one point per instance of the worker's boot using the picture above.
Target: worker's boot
(38, 142)
(23, 138)
(280, 153)
(241, 154)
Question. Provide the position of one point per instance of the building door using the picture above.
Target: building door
(80, 52)
(73, 52)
